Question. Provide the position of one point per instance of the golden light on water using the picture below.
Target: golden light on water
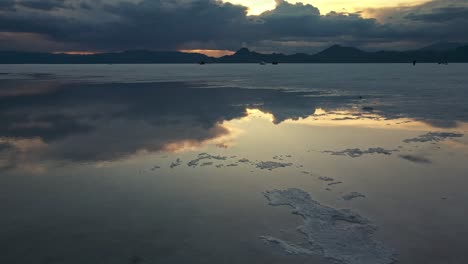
(355, 118)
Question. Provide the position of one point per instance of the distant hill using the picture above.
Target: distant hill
(131, 56)
(443, 46)
(340, 54)
(439, 52)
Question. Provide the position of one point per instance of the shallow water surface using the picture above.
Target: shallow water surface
(172, 163)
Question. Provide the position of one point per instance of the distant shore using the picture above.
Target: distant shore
(333, 54)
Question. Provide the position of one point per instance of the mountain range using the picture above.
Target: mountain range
(436, 53)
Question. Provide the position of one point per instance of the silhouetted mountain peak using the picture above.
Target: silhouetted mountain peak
(338, 49)
(333, 54)
(243, 52)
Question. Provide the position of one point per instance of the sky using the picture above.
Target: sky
(256, 7)
(220, 27)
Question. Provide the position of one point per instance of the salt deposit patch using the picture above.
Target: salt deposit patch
(271, 165)
(434, 136)
(353, 195)
(204, 156)
(327, 179)
(355, 153)
(155, 168)
(206, 164)
(337, 234)
(176, 163)
(288, 247)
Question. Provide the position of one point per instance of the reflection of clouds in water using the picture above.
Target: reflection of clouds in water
(23, 153)
(125, 138)
(86, 122)
(416, 159)
(11, 88)
(105, 122)
(5, 153)
(4, 146)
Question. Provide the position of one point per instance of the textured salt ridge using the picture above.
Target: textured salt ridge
(206, 164)
(353, 195)
(290, 248)
(205, 159)
(434, 137)
(326, 179)
(176, 163)
(271, 165)
(355, 153)
(204, 156)
(340, 235)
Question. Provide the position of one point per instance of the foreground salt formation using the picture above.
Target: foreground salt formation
(176, 163)
(355, 153)
(434, 136)
(353, 195)
(271, 165)
(327, 179)
(204, 156)
(339, 235)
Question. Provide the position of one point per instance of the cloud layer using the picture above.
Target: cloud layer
(208, 24)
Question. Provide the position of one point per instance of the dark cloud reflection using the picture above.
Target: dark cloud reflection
(416, 159)
(104, 122)
(43, 119)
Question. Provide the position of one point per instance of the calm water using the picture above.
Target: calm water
(95, 160)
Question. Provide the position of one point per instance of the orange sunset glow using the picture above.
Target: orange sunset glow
(211, 53)
(77, 52)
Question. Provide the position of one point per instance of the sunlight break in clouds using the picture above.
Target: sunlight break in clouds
(211, 53)
(326, 6)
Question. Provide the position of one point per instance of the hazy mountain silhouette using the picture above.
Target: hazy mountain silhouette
(439, 52)
(131, 56)
(443, 46)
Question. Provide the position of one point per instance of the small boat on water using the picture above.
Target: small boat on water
(262, 63)
(275, 63)
(202, 63)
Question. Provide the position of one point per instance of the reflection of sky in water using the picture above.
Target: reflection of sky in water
(86, 168)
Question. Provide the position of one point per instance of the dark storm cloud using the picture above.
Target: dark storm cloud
(42, 4)
(433, 21)
(297, 20)
(174, 24)
(159, 24)
(439, 15)
(7, 5)
(164, 24)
